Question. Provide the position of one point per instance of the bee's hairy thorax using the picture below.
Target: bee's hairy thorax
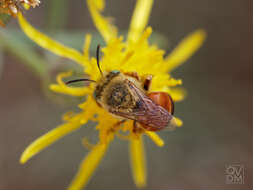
(118, 96)
(112, 92)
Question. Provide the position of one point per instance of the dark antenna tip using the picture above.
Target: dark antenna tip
(98, 50)
(78, 80)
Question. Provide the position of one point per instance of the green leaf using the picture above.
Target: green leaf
(17, 46)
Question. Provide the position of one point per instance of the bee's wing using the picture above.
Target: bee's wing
(146, 112)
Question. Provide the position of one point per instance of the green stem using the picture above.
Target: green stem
(57, 14)
(24, 52)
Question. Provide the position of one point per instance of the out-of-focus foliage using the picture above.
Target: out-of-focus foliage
(10, 8)
(4, 19)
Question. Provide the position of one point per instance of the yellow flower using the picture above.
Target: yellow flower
(133, 54)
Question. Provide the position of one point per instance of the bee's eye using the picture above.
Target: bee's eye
(115, 71)
(94, 94)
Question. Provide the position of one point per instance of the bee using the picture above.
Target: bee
(126, 96)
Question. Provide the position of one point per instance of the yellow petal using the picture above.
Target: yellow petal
(178, 94)
(163, 80)
(144, 36)
(52, 136)
(26, 6)
(139, 19)
(61, 87)
(155, 138)
(186, 48)
(107, 30)
(73, 91)
(88, 166)
(48, 43)
(178, 122)
(86, 45)
(138, 161)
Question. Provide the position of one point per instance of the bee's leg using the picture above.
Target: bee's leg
(120, 122)
(117, 124)
(147, 82)
(133, 74)
(136, 128)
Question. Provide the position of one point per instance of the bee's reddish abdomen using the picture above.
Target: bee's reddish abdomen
(163, 99)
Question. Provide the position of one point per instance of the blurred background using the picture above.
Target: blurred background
(217, 131)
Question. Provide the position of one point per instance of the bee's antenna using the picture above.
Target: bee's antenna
(78, 80)
(98, 50)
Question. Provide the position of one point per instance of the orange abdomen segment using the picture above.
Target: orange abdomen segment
(163, 99)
